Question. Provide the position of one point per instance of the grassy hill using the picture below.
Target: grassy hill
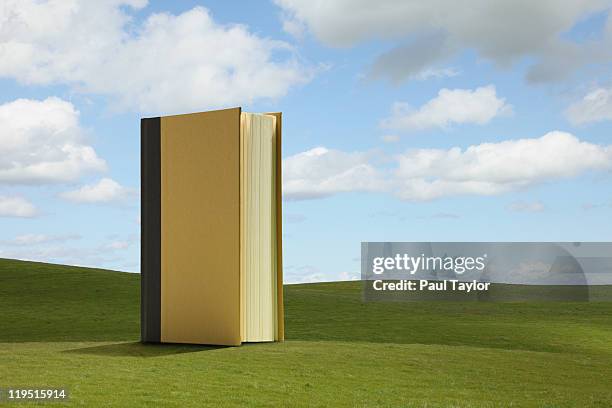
(79, 327)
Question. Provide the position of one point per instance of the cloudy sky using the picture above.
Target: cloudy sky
(404, 121)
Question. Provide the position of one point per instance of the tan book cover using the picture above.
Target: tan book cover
(205, 295)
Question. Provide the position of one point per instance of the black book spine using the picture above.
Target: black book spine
(150, 229)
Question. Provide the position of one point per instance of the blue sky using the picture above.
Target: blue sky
(500, 135)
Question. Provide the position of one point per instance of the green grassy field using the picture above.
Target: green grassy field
(79, 328)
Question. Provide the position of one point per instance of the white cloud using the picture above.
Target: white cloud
(596, 106)
(49, 248)
(295, 28)
(117, 245)
(89, 257)
(303, 274)
(310, 274)
(36, 239)
(104, 191)
(451, 106)
(594, 206)
(495, 168)
(428, 174)
(15, 206)
(168, 63)
(430, 32)
(390, 138)
(526, 272)
(349, 276)
(321, 172)
(42, 142)
(523, 206)
(436, 73)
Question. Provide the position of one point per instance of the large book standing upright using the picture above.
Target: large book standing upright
(211, 253)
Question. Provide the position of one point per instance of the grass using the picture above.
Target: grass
(79, 328)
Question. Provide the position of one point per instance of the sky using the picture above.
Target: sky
(402, 120)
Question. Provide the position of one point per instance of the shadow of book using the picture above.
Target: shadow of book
(137, 349)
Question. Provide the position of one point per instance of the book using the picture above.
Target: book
(211, 253)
